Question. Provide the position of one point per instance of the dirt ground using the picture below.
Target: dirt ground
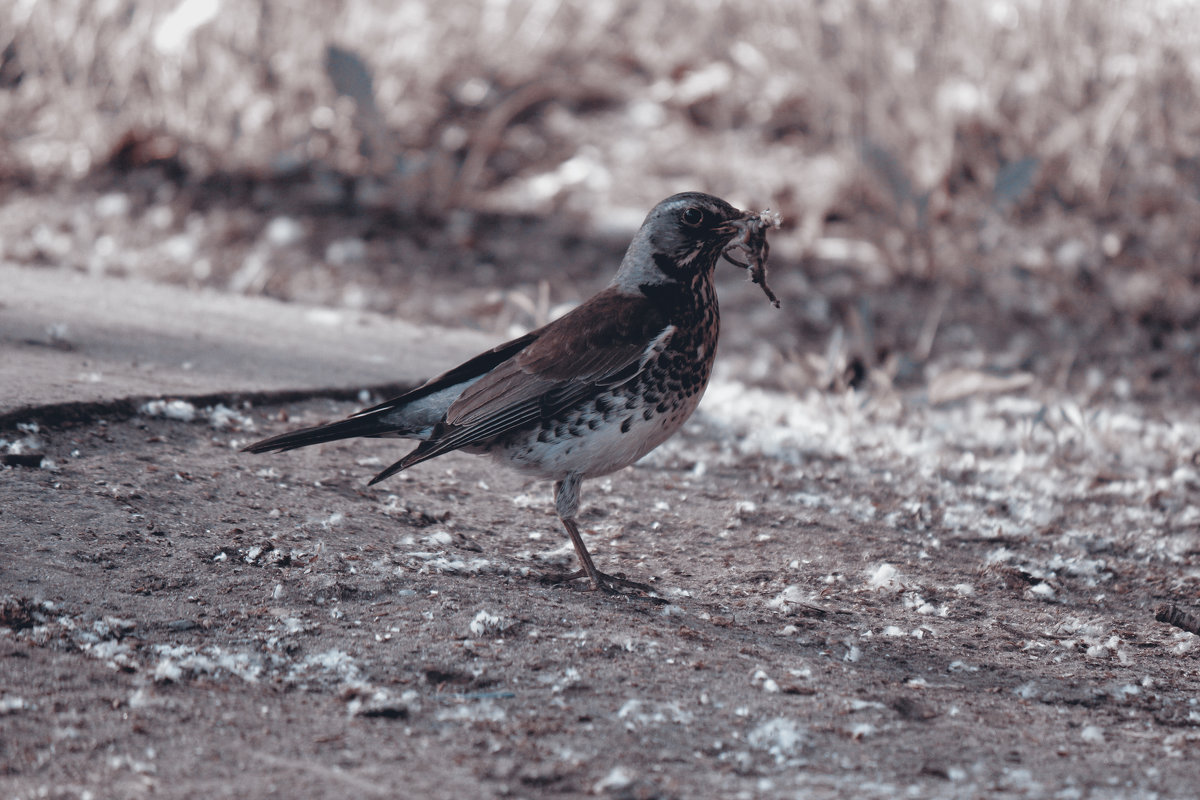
(840, 613)
(912, 543)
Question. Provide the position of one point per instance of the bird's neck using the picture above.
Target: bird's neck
(681, 300)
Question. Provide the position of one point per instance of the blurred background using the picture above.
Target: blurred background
(1010, 187)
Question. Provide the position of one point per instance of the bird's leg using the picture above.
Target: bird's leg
(566, 503)
(589, 570)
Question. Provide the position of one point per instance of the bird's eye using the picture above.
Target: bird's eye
(692, 216)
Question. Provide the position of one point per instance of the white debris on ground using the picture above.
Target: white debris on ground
(11, 704)
(269, 656)
(988, 465)
(220, 416)
(178, 410)
(484, 710)
(570, 677)
(332, 663)
(764, 682)
(789, 599)
(638, 713)
(176, 663)
(782, 738)
(488, 624)
(885, 578)
(31, 442)
(27, 450)
(424, 562)
(618, 779)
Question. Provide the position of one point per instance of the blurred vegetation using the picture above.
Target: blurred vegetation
(1045, 154)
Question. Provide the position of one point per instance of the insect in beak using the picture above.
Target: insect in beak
(751, 239)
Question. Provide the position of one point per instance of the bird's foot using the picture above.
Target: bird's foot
(602, 582)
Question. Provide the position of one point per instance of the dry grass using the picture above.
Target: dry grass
(945, 140)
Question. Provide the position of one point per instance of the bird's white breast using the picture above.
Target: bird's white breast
(618, 442)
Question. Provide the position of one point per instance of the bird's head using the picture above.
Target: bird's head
(681, 238)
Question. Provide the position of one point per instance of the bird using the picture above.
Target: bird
(592, 391)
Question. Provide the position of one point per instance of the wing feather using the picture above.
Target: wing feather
(600, 345)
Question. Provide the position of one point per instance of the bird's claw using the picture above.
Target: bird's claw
(603, 582)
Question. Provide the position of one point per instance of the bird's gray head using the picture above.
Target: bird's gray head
(682, 237)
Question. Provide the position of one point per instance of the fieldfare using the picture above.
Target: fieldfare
(594, 390)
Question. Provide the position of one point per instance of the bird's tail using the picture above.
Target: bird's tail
(368, 425)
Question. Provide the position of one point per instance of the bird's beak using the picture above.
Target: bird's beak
(738, 225)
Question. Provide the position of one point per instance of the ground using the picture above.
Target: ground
(183, 619)
(913, 543)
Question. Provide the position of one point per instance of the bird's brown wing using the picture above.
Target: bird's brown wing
(601, 344)
(379, 420)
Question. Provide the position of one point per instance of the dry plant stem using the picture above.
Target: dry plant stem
(488, 138)
(929, 329)
(1174, 615)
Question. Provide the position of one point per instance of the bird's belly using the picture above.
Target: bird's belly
(591, 442)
